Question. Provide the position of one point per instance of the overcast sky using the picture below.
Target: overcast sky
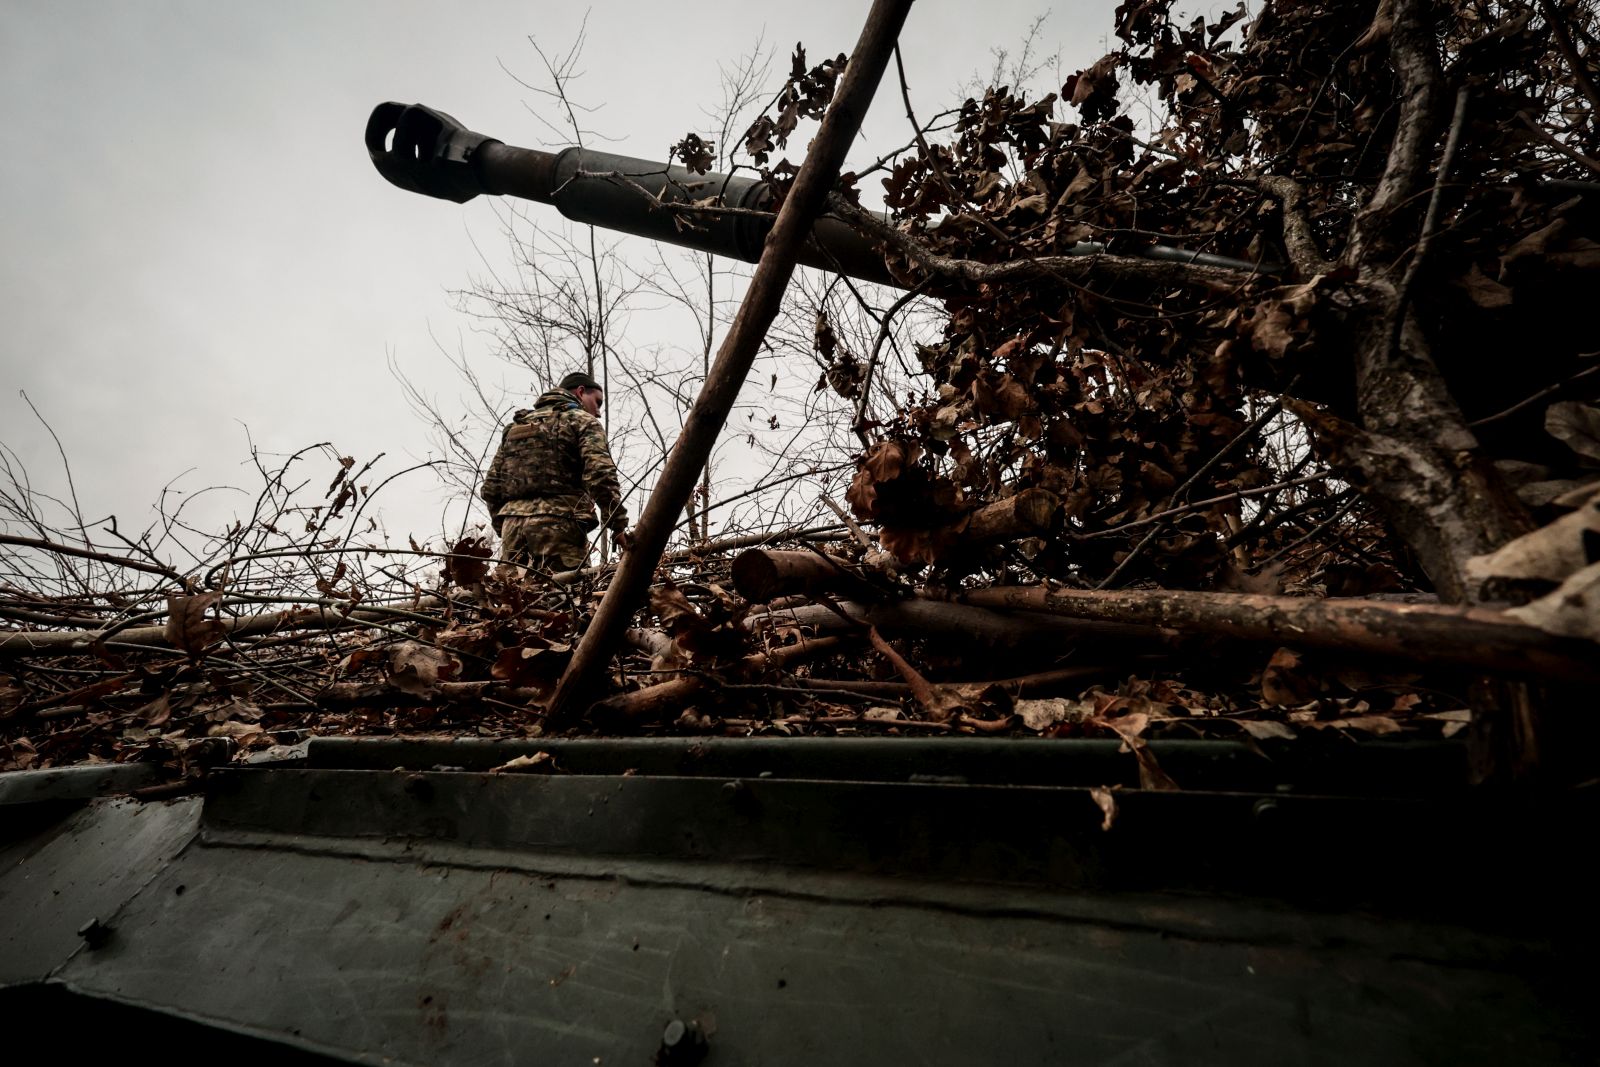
(194, 244)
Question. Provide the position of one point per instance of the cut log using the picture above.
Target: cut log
(919, 616)
(1026, 685)
(761, 574)
(1479, 639)
(1028, 514)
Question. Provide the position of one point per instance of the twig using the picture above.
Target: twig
(1266, 415)
(1569, 52)
(1298, 238)
(884, 328)
(88, 553)
(1535, 398)
(1550, 139)
(1430, 220)
(844, 516)
(1242, 494)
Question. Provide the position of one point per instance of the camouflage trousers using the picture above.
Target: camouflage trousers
(544, 542)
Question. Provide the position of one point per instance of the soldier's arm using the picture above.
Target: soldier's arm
(600, 474)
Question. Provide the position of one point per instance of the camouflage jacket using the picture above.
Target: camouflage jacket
(553, 460)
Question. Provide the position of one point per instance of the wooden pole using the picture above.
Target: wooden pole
(739, 348)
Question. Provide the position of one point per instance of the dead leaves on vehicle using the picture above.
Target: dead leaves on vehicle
(535, 664)
(417, 668)
(188, 628)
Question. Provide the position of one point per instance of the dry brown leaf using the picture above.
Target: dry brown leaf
(674, 610)
(1576, 425)
(1266, 729)
(1573, 610)
(1284, 683)
(1371, 724)
(188, 629)
(158, 711)
(1129, 727)
(1578, 497)
(1268, 581)
(1552, 553)
(1453, 722)
(1107, 802)
(1040, 715)
(538, 761)
(236, 730)
(468, 562)
(418, 668)
(535, 665)
(1484, 290)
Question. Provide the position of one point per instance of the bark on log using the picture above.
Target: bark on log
(763, 573)
(1026, 685)
(920, 616)
(1028, 514)
(1478, 639)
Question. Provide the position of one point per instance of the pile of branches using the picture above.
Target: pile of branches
(816, 636)
(1341, 478)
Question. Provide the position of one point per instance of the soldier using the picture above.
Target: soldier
(552, 470)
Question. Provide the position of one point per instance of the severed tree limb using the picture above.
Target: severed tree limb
(1378, 232)
(1298, 238)
(1026, 685)
(88, 553)
(1478, 639)
(1026, 514)
(924, 616)
(672, 696)
(762, 574)
(1030, 513)
(1077, 269)
(54, 643)
(1418, 461)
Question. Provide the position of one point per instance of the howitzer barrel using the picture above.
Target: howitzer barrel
(426, 151)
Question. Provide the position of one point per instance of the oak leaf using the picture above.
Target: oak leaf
(188, 629)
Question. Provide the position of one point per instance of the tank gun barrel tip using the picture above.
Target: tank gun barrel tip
(424, 151)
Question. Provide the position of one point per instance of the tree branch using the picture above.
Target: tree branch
(1076, 269)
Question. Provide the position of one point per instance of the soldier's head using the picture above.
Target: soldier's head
(586, 389)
